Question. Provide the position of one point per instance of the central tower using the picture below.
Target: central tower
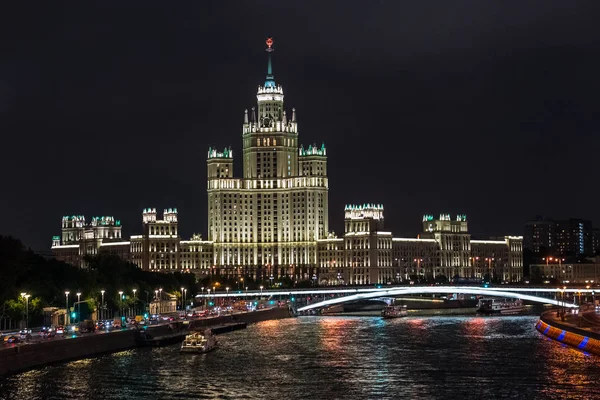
(270, 140)
(267, 223)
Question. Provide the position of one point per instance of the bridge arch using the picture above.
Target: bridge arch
(434, 290)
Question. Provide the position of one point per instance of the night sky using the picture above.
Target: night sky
(488, 109)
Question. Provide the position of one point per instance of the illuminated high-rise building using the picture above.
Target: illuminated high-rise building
(268, 222)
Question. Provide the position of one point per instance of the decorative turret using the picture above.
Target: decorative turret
(368, 210)
(226, 153)
(312, 150)
(105, 221)
(445, 223)
(149, 215)
(220, 164)
(73, 221)
(170, 215)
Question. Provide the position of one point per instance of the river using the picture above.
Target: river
(336, 357)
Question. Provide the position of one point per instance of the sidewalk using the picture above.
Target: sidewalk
(588, 319)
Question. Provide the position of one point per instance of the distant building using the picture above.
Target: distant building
(570, 237)
(368, 255)
(79, 239)
(581, 273)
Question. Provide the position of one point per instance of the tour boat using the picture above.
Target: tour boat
(199, 343)
(499, 306)
(394, 311)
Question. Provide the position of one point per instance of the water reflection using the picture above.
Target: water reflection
(336, 358)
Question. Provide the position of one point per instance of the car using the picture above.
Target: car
(60, 330)
(12, 339)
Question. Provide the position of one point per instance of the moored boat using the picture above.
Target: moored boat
(199, 342)
(499, 306)
(394, 311)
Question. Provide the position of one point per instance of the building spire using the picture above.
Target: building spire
(270, 82)
(246, 116)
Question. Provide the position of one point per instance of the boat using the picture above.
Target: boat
(199, 342)
(499, 306)
(394, 312)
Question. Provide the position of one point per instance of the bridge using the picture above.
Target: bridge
(494, 292)
(349, 294)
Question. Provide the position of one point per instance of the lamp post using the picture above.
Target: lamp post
(156, 299)
(159, 300)
(78, 307)
(271, 279)
(26, 297)
(242, 281)
(184, 297)
(203, 298)
(397, 278)
(227, 288)
(182, 304)
(134, 302)
(314, 279)
(102, 316)
(564, 302)
(121, 303)
(261, 288)
(208, 296)
(67, 308)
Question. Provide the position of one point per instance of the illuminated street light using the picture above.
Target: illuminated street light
(67, 308)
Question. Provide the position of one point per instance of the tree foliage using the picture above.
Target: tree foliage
(21, 270)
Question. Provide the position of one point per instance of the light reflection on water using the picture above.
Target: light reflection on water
(337, 357)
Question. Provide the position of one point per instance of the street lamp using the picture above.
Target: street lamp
(261, 288)
(134, 302)
(67, 308)
(78, 307)
(26, 297)
(159, 300)
(208, 296)
(271, 279)
(121, 302)
(227, 288)
(182, 299)
(102, 316)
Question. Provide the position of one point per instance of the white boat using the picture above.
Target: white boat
(394, 311)
(499, 306)
(199, 342)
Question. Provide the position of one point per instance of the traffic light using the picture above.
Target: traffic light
(73, 315)
(210, 303)
(145, 315)
(293, 299)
